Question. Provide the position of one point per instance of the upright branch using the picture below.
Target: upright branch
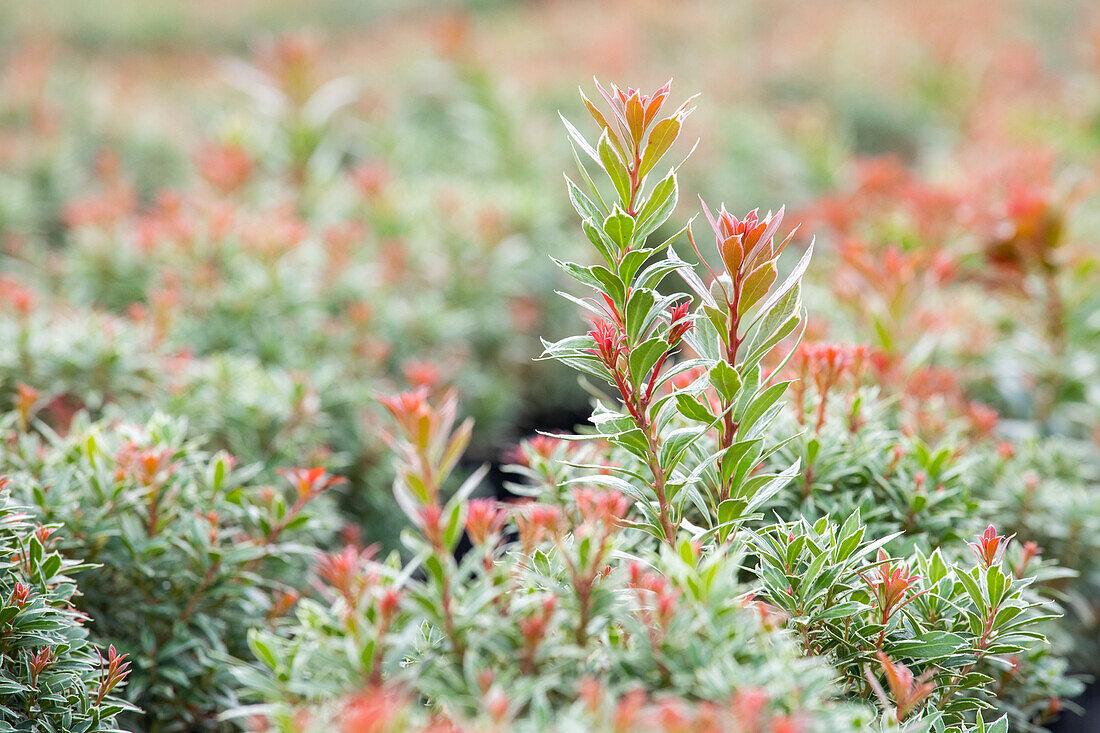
(427, 448)
(664, 408)
(749, 257)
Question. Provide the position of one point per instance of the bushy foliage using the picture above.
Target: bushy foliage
(53, 678)
(189, 553)
(1045, 492)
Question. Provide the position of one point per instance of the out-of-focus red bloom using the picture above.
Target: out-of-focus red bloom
(19, 298)
(1029, 551)
(484, 520)
(344, 571)
(590, 692)
(309, 482)
(885, 193)
(225, 166)
(929, 382)
(748, 706)
(25, 399)
(908, 692)
(273, 233)
(452, 34)
(537, 448)
(983, 419)
(533, 628)
(605, 507)
(826, 365)
(772, 617)
(389, 601)
(496, 703)
(656, 598)
(525, 312)
(150, 467)
(421, 373)
(536, 523)
(99, 211)
(628, 710)
(292, 61)
(1029, 226)
(377, 710)
(282, 603)
(430, 522)
(413, 413)
(370, 178)
(395, 260)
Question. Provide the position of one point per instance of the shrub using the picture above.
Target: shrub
(188, 551)
(1045, 491)
(52, 677)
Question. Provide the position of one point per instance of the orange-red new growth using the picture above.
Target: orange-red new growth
(343, 570)
(891, 588)
(610, 344)
(908, 692)
(309, 482)
(484, 520)
(606, 507)
(990, 547)
(536, 523)
(112, 674)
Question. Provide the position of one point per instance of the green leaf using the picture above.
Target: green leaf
(970, 584)
(996, 584)
(630, 263)
(652, 275)
(579, 273)
(620, 228)
(641, 310)
(645, 356)
(693, 408)
(615, 168)
(600, 241)
(258, 642)
(611, 284)
(659, 206)
(661, 138)
(582, 203)
(794, 278)
(578, 138)
(726, 381)
(756, 286)
(634, 441)
(929, 646)
(760, 405)
(50, 566)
